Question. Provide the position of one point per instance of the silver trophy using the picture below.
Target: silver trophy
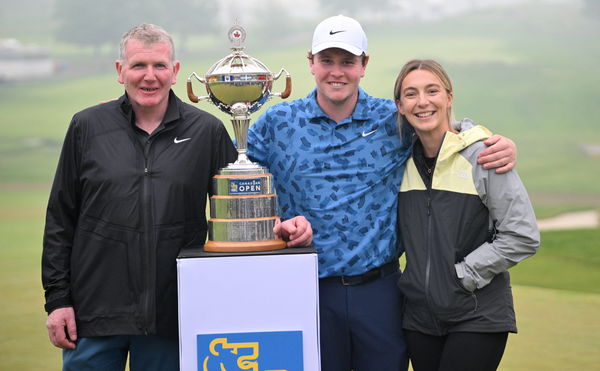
(243, 208)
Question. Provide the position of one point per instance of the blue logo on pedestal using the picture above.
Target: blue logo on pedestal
(255, 351)
(244, 186)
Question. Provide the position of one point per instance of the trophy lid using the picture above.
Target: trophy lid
(238, 77)
(238, 61)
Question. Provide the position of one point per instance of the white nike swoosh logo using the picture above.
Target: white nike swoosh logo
(369, 133)
(176, 141)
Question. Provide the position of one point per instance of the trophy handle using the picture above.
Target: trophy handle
(193, 97)
(288, 84)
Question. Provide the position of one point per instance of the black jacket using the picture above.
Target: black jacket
(460, 216)
(121, 210)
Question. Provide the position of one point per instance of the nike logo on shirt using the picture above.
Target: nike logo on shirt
(177, 141)
(369, 133)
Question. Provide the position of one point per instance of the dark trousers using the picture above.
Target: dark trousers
(109, 353)
(361, 327)
(457, 351)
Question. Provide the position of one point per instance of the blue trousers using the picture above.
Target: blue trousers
(109, 353)
(361, 326)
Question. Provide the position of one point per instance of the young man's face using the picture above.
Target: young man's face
(337, 73)
(147, 72)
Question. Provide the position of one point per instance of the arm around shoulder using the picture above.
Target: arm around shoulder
(501, 153)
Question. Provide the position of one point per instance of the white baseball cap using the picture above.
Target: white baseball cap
(339, 32)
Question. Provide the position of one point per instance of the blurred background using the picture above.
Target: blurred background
(527, 69)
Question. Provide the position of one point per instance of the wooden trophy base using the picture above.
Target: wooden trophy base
(244, 246)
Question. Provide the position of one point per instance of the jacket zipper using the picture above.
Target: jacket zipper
(150, 242)
(429, 249)
(147, 244)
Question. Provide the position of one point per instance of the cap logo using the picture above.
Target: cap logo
(332, 32)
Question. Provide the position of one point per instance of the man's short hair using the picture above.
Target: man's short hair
(148, 34)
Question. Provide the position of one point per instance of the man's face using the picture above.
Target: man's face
(337, 74)
(147, 72)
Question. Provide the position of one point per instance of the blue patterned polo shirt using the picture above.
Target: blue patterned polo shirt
(343, 177)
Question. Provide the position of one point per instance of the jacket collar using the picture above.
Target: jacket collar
(454, 143)
(172, 115)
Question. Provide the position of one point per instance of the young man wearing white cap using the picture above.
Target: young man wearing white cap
(337, 158)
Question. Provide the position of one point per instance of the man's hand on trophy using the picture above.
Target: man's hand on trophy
(295, 232)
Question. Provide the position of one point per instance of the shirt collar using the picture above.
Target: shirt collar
(172, 114)
(360, 113)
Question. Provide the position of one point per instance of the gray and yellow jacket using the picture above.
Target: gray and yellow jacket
(462, 227)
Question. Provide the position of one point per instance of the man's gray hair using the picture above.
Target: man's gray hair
(147, 34)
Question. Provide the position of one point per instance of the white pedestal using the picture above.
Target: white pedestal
(253, 312)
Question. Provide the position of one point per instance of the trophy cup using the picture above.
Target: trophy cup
(243, 208)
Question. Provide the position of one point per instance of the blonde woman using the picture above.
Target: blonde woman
(462, 227)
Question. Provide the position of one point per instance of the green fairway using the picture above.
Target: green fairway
(23, 325)
(527, 72)
(567, 260)
(558, 330)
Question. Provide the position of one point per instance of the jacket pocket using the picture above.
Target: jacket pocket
(101, 277)
(449, 300)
